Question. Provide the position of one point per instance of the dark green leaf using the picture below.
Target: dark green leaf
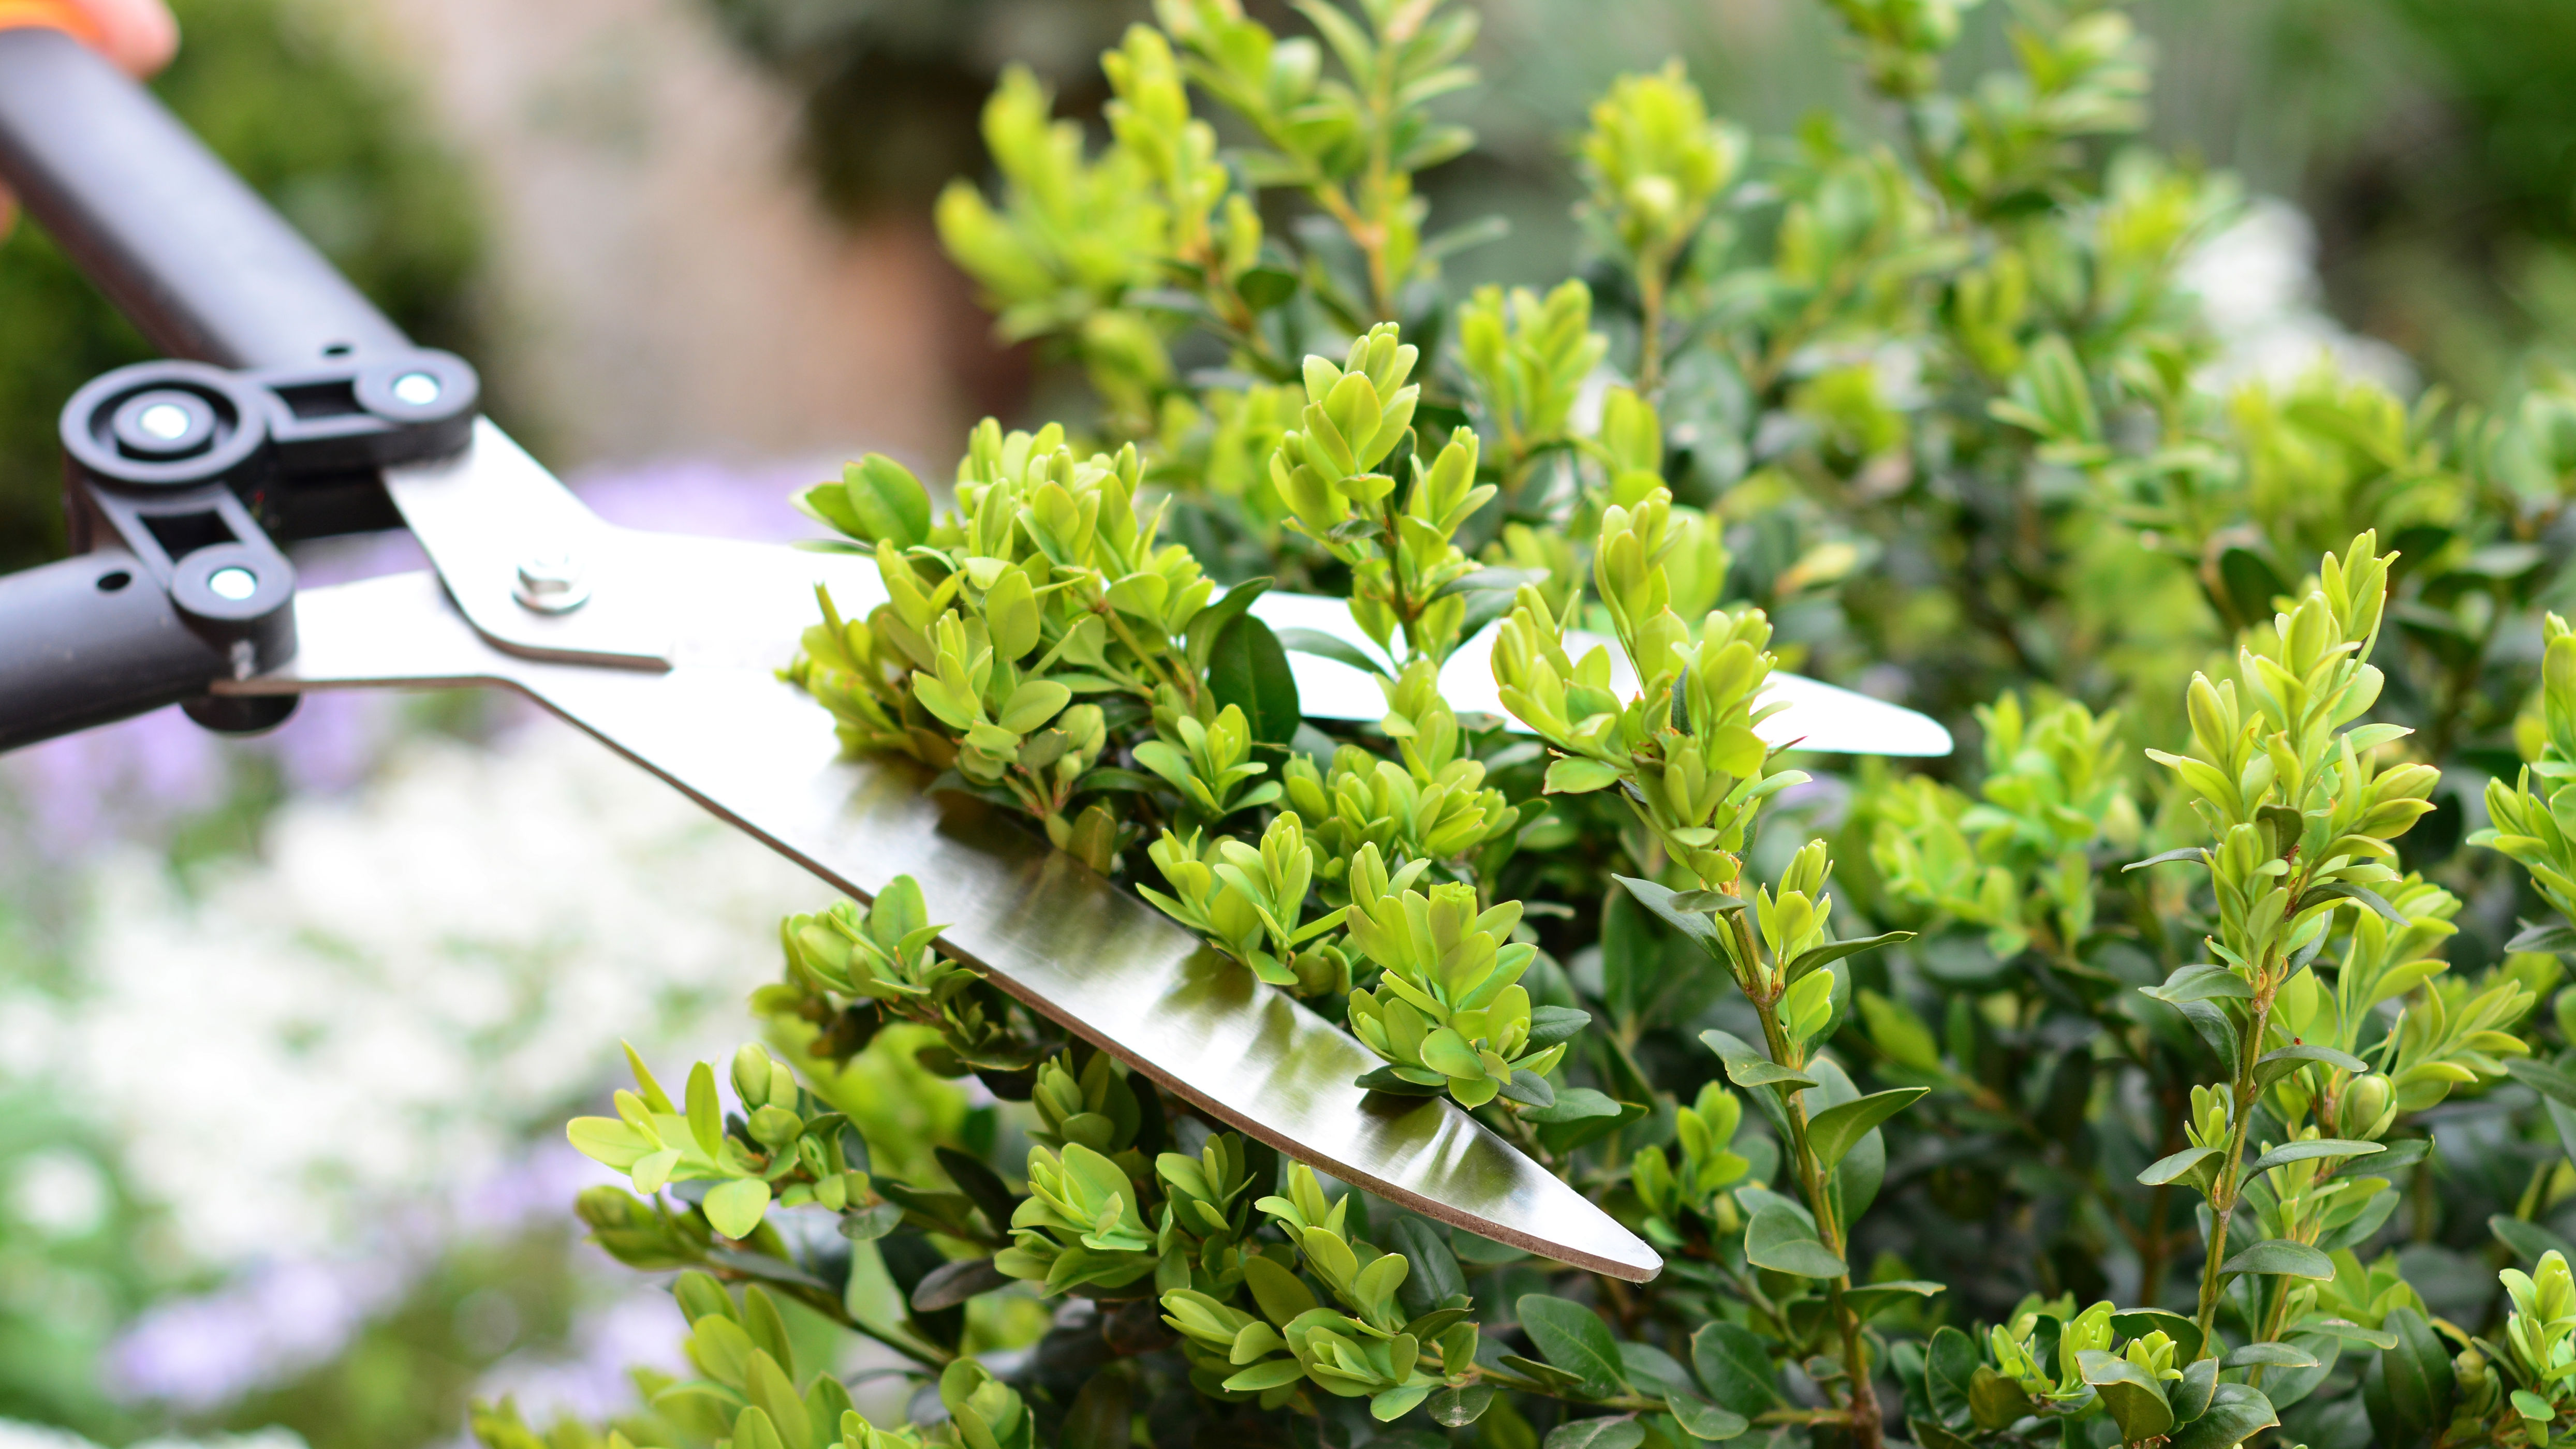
(1101, 1417)
(2528, 1240)
(1835, 951)
(2168, 1168)
(946, 1209)
(2213, 1026)
(1703, 1420)
(2547, 1080)
(1576, 1340)
(980, 1183)
(1694, 924)
(1249, 670)
(1491, 579)
(1529, 1089)
(2374, 1215)
(1384, 1079)
(1949, 1374)
(1746, 1068)
(953, 1283)
(1434, 1275)
(1560, 1134)
(1552, 1024)
(869, 1224)
(2404, 1152)
(1930, 1435)
(2136, 1401)
(2237, 1412)
(2188, 852)
(1263, 288)
(1110, 777)
(2289, 1152)
(1995, 1402)
(2200, 981)
(2250, 585)
(2414, 1382)
(1833, 1131)
(763, 1266)
(1555, 1380)
(1574, 1104)
(2349, 1332)
(1457, 1408)
(1620, 1432)
(2273, 1354)
(2275, 1065)
(2345, 890)
(2139, 1322)
(1210, 622)
(2555, 936)
(1328, 646)
(1871, 1298)
(2283, 1258)
(1734, 1366)
(2288, 1386)
(1651, 1371)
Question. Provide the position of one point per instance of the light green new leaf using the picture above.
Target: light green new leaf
(706, 1120)
(735, 1208)
(1575, 775)
(2166, 1169)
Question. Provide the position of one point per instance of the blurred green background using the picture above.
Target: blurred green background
(2431, 144)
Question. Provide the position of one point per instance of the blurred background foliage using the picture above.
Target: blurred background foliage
(2431, 143)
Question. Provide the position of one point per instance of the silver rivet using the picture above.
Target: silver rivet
(166, 421)
(418, 389)
(234, 583)
(552, 584)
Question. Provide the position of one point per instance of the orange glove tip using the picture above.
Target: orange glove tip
(60, 15)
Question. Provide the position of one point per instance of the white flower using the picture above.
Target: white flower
(2258, 290)
(408, 981)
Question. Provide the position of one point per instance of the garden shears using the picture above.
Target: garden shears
(291, 408)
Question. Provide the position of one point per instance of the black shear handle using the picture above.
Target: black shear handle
(208, 272)
(189, 254)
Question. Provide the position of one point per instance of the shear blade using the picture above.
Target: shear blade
(723, 729)
(1818, 716)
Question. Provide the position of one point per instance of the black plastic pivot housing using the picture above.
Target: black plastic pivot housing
(185, 476)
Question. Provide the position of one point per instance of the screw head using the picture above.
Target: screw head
(418, 389)
(234, 583)
(552, 583)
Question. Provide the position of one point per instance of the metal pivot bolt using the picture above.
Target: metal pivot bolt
(552, 583)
